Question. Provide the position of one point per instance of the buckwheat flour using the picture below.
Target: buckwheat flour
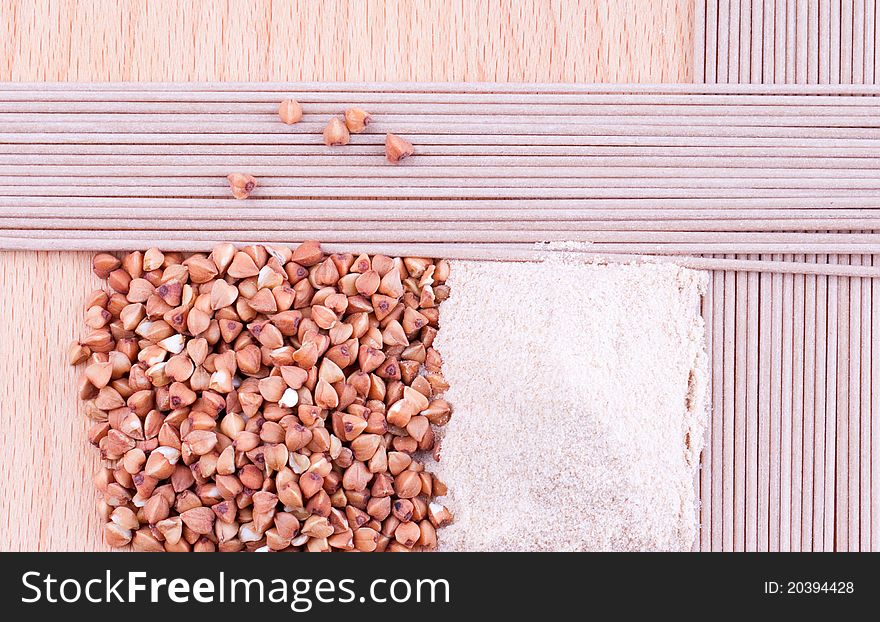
(579, 405)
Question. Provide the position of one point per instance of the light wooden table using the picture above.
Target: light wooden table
(47, 500)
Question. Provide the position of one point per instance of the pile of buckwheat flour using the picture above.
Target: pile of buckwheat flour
(578, 395)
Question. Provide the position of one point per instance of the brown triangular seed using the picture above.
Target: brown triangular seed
(396, 148)
(223, 294)
(242, 266)
(263, 302)
(308, 253)
(391, 285)
(368, 283)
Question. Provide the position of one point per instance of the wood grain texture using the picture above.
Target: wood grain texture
(46, 496)
(585, 41)
(47, 499)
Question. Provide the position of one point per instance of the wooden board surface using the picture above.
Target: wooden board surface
(47, 500)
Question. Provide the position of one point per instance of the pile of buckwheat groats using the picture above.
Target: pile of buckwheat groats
(265, 398)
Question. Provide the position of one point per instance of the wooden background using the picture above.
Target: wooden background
(46, 496)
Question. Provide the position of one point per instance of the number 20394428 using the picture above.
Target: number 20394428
(809, 587)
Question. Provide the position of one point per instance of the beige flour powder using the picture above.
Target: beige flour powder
(579, 406)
